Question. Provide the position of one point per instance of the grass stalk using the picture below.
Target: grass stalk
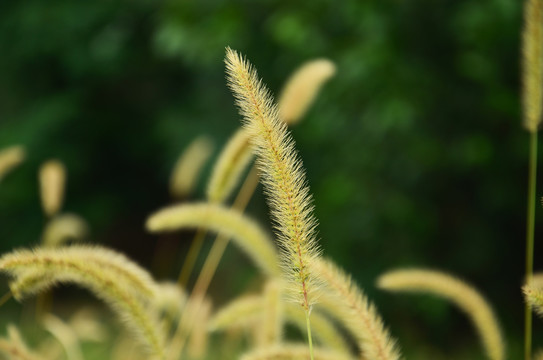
(188, 264)
(210, 266)
(309, 338)
(530, 230)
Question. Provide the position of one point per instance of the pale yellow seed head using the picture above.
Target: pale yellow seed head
(63, 228)
(245, 233)
(357, 313)
(189, 165)
(302, 88)
(10, 158)
(52, 178)
(532, 63)
(233, 160)
(282, 175)
(468, 299)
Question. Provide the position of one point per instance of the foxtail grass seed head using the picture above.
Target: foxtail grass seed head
(534, 298)
(458, 292)
(189, 166)
(10, 158)
(302, 88)
(282, 175)
(239, 313)
(14, 348)
(532, 63)
(104, 276)
(229, 167)
(244, 231)
(63, 228)
(52, 178)
(356, 312)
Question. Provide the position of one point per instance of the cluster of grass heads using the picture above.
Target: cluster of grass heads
(299, 285)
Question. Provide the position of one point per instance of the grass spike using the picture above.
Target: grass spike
(246, 233)
(14, 348)
(302, 88)
(532, 72)
(59, 266)
(282, 174)
(64, 228)
(52, 176)
(458, 292)
(357, 313)
(189, 165)
(9, 159)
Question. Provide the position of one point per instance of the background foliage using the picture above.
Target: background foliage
(414, 151)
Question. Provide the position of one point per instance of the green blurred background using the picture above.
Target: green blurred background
(414, 150)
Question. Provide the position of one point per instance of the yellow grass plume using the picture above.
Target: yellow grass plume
(229, 167)
(532, 62)
(245, 232)
(357, 313)
(302, 88)
(64, 335)
(283, 176)
(458, 292)
(292, 352)
(189, 165)
(534, 298)
(64, 228)
(52, 178)
(14, 348)
(238, 313)
(10, 158)
(34, 271)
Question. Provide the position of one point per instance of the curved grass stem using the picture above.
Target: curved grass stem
(530, 225)
(188, 264)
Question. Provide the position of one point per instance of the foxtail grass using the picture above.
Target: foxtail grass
(357, 313)
(103, 277)
(532, 77)
(52, 178)
(63, 228)
(10, 158)
(458, 292)
(302, 88)
(283, 178)
(247, 234)
(14, 348)
(189, 165)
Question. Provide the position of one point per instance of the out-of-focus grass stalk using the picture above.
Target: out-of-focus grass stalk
(532, 70)
(210, 266)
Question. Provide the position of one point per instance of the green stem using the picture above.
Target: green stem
(309, 334)
(530, 225)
